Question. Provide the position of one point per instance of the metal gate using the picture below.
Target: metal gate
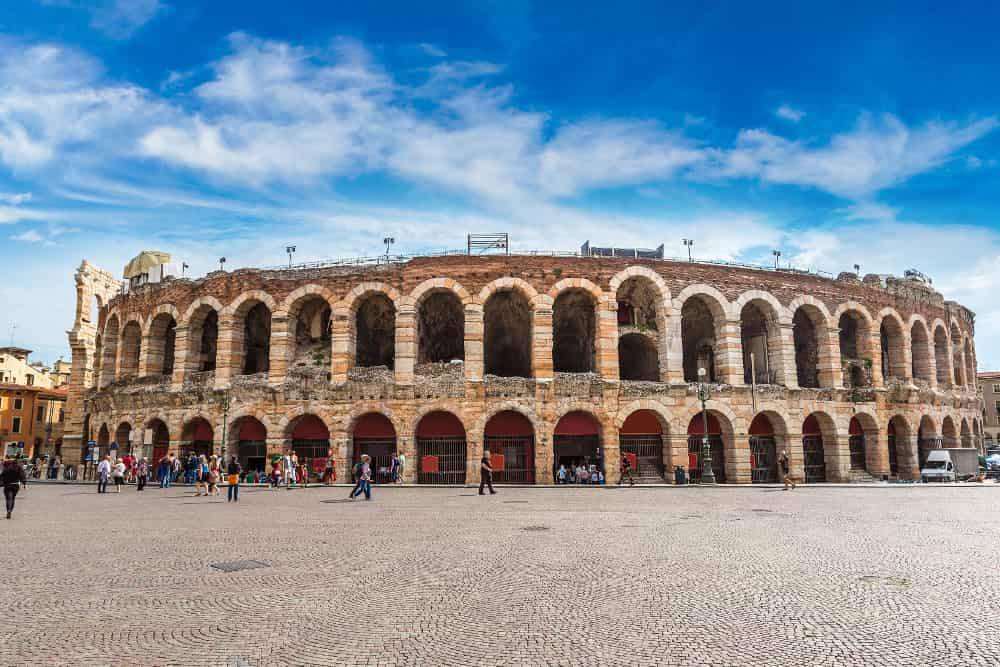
(763, 463)
(572, 450)
(450, 454)
(648, 450)
(814, 460)
(518, 453)
(380, 450)
(308, 451)
(252, 455)
(893, 455)
(857, 445)
(694, 454)
(196, 447)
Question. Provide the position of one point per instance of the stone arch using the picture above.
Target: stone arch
(819, 447)
(725, 452)
(508, 325)
(921, 351)
(942, 357)
(372, 309)
(161, 341)
(159, 437)
(504, 284)
(811, 342)
(307, 313)
(109, 350)
(957, 355)
(965, 433)
(901, 445)
(247, 436)
(856, 354)
(760, 316)
(949, 432)
(894, 345)
(442, 444)
(402, 427)
(576, 283)
(701, 311)
(197, 436)
(432, 285)
(249, 317)
(292, 303)
(574, 326)
(970, 362)
(509, 437)
(131, 348)
(643, 305)
(201, 304)
(439, 304)
(768, 437)
(644, 440)
(374, 434)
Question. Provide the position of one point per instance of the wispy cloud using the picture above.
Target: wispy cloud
(117, 19)
(28, 236)
(789, 113)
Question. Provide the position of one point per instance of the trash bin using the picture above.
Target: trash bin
(679, 476)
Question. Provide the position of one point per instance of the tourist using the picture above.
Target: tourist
(356, 477)
(103, 472)
(213, 477)
(364, 478)
(303, 474)
(402, 467)
(626, 472)
(561, 475)
(594, 477)
(12, 477)
(785, 476)
(233, 471)
(161, 471)
(141, 474)
(486, 473)
(118, 475)
(394, 468)
(175, 468)
(581, 475)
(191, 469)
(289, 471)
(127, 462)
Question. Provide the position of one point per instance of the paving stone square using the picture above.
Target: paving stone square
(873, 575)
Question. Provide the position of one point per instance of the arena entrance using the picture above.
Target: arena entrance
(641, 440)
(763, 451)
(375, 436)
(311, 443)
(814, 460)
(441, 449)
(696, 432)
(159, 441)
(576, 441)
(196, 438)
(856, 443)
(510, 439)
(251, 445)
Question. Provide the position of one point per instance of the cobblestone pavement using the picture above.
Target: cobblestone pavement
(901, 575)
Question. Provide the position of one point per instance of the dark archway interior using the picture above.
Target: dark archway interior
(941, 357)
(698, 340)
(851, 347)
(806, 349)
(956, 356)
(375, 332)
(920, 353)
(638, 301)
(758, 341)
(163, 336)
(109, 350)
(257, 340)
(441, 328)
(891, 341)
(637, 358)
(208, 342)
(131, 348)
(312, 333)
(507, 334)
(574, 332)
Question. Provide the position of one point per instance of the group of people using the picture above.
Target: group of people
(580, 473)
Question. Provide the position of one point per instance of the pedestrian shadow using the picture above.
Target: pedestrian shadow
(335, 501)
(203, 502)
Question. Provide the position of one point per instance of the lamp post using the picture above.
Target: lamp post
(707, 474)
(688, 243)
(225, 423)
(222, 264)
(291, 251)
(388, 241)
(777, 254)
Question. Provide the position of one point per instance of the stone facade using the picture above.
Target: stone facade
(854, 354)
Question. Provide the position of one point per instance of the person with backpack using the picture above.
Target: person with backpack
(364, 475)
(233, 470)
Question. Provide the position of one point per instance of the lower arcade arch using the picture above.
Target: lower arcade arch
(310, 441)
(196, 438)
(576, 441)
(159, 441)
(857, 445)
(250, 444)
(818, 430)
(510, 439)
(927, 439)
(898, 437)
(640, 439)
(765, 432)
(441, 449)
(374, 435)
(709, 423)
(123, 438)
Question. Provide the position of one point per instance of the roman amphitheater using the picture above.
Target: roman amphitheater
(542, 359)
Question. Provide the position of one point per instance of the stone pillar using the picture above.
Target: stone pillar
(831, 370)
(282, 348)
(607, 337)
(474, 359)
(908, 457)
(543, 459)
(406, 343)
(737, 458)
(792, 443)
(183, 355)
(341, 358)
(729, 354)
(228, 353)
(837, 456)
(473, 457)
(612, 452)
(787, 373)
(144, 353)
(874, 349)
(541, 339)
(932, 362)
(675, 349)
(406, 444)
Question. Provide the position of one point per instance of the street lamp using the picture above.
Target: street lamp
(222, 264)
(707, 474)
(688, 243)
(857, 269)
(777, 254)
(388, 241)
(291, 251)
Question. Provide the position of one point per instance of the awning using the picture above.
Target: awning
(144, 261)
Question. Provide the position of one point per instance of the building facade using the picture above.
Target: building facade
(989, 385)
(16, 368)
(31, 420)
(543, 360)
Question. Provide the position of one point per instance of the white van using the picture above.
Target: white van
(948, 465)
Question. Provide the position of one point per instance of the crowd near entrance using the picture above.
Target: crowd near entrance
(641, 441)
(196, 438)
(510, 439)
(696, 432)
(577, 442)
(311, 444)
(441, 449)
(375, 436)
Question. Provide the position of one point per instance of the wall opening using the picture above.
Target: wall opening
(640, 439)
(441, 328)
(251, 444)
(920, 352)
(941, 357)
(257, 340)
(441, 449)
(893, 356)
(375, 332)
(311, 444)
(162, 339)
(760, 338)
(763, 451)
(576, 442)
(131, 350)
(375, 436)
(196, 438)
(970, 364)
(204, 335)
(854, 350)
(956, 356)
(507, 334)
(638, 358)
(510, 438)
(806, 325)
(109, 351)
(813, 454)
(312, 333)
(696, 431)
(698, 338)
(574, 332)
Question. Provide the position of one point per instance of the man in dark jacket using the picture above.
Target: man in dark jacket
(11, 478)
(486, 473)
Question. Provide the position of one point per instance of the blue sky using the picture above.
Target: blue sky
(867, 134)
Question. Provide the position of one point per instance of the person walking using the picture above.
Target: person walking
(164, 472)
(176, 466)
(12, 477)
(289, 471)
(626, 472)
(785, 476)
(486, 473)
(364, 479)
(402, 467)
(141, 474)
(394, 468)
(214, 475)
(118, 475)
(103, 472)
(233, 470)
(561, 475)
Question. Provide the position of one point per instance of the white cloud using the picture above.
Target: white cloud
(789, 113)
(15, 198)
(870, 210)
(974, 162)
(120, 19)
(28, 236)
(432, 50)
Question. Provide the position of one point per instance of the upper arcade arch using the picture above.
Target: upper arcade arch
(701, 311)
(894, 346)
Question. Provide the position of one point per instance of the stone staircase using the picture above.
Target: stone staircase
(862, 476)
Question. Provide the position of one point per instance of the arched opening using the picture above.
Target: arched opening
(109, 351)
(700, 324)
(856, 444)
(813, 455)
(162, 340)
(103, 439)
(510, 438)
(927, 439)
(98, 359)
(641, 440)
(970, 364)
(440, 328)
(576, 442)
(251, 444)
(920, 353)
(123, 438)
(375, 436)
(574, 332)
(855, 358)
(311, 317)
(898, 436)
(204, 335)
(941, 357)
(956, 356)
(159, 439)
(638, 358)
(763, 451)
(256, 349)
(892, 345)
(507, 335)
(441, 449)
(375, 332)
(196, 438)
(966, 434)
(640, 311)
(949, 433)
(311, 444)
(131, 348)
(761, 343)
(696, 434)
(807, 322)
